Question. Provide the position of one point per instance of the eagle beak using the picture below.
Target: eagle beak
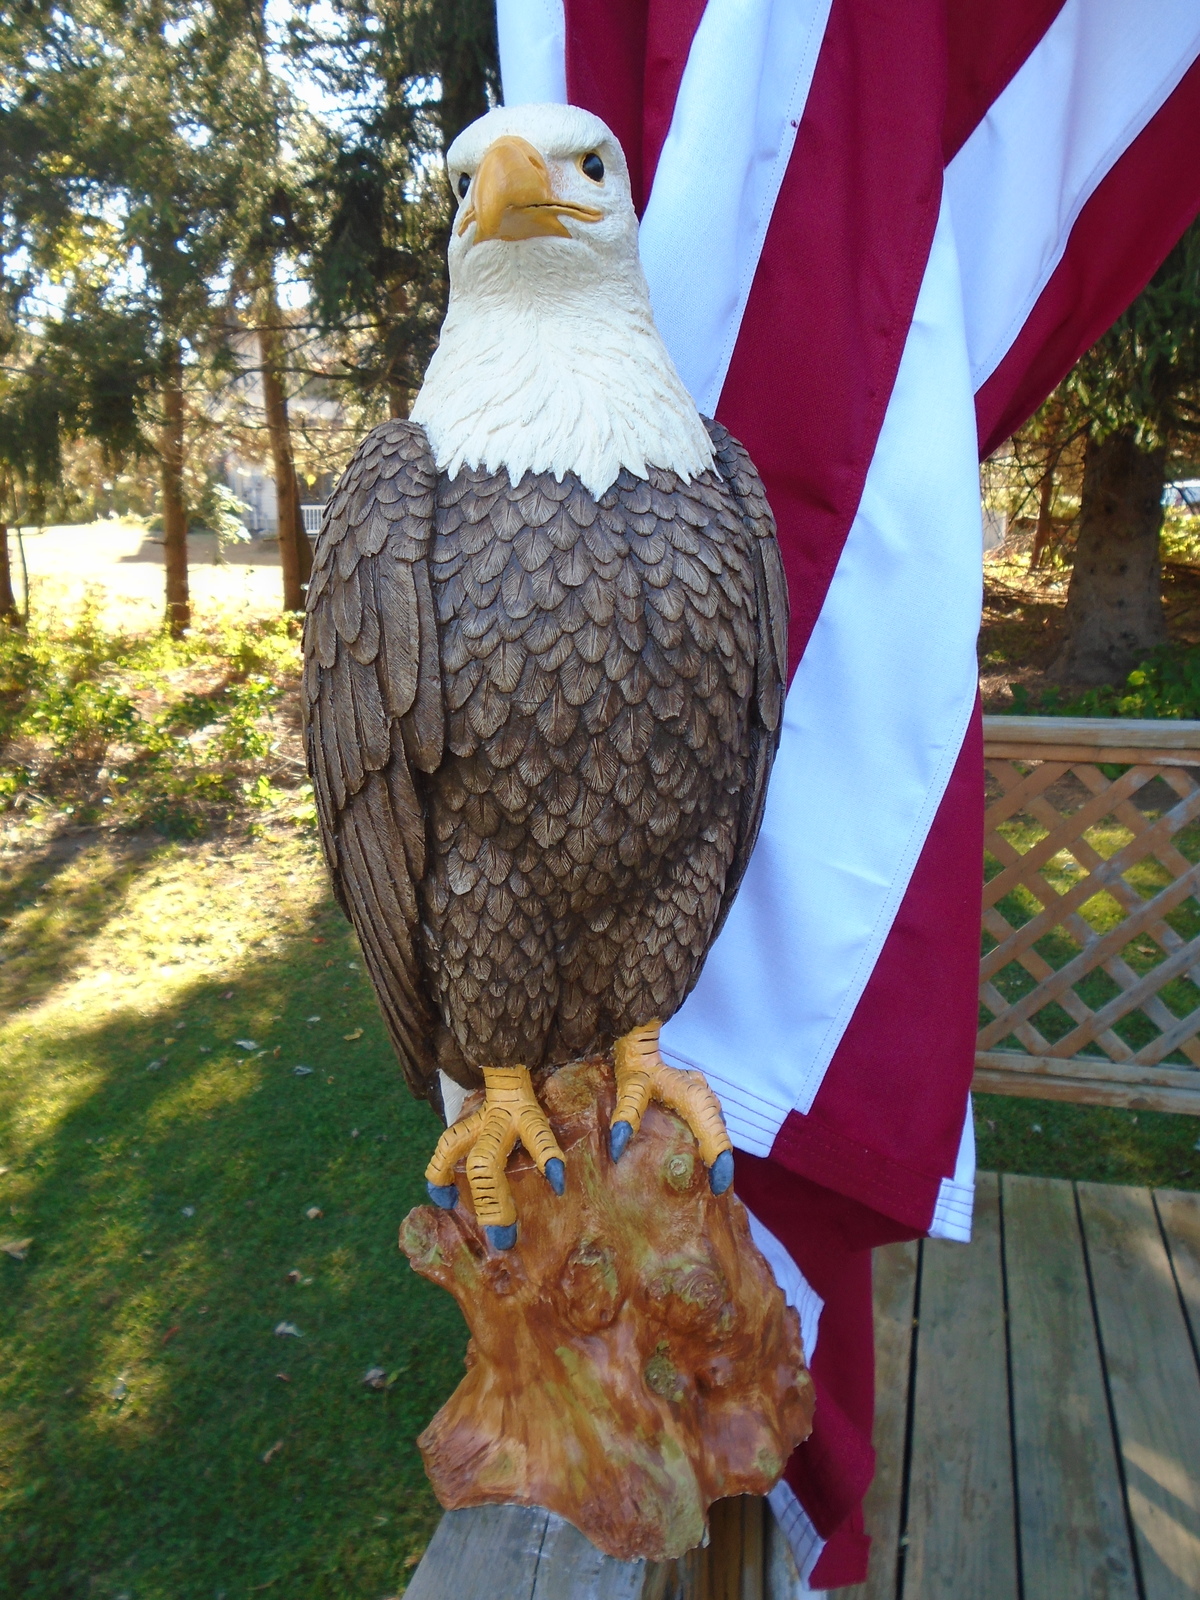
(512, 197)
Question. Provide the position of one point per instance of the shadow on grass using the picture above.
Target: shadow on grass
(141, 1380)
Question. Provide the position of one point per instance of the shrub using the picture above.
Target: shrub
(1165, 685)
(176, 734)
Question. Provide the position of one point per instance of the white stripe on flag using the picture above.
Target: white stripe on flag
(743, 93)
(1088, 88)
(532, 35)
(874, 721)
(797, 1290)
(955, 1207)
(803, 1539)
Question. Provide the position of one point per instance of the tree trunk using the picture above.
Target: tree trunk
(295, 552)
(690, 1385)
(1114, 605)
(9, 611)
(174, 512)
(1045, 523)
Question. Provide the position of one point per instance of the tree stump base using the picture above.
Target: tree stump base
(632, 1359)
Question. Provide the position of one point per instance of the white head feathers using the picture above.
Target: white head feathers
(549, 358)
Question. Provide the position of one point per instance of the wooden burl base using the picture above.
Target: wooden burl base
(632, 1359)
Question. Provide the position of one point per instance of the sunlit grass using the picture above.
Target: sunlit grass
(163, 1172)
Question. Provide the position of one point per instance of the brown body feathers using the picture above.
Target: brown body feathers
(539, 728)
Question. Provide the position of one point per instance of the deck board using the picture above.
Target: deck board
(960, 1492)
(1179, 1215)
(1152, 1379)
(1073, 1533)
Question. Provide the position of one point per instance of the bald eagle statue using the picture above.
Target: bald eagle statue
(544, 665)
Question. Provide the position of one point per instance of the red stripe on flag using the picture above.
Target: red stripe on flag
(670, 29)
(625, 61)
(606, 56)
(988, 41)
(1150, 196)
(888, 1116)
(834, 293)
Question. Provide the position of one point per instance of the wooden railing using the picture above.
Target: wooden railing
(1090, 979)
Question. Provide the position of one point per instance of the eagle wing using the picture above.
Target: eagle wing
(374, 715)
(771, 616)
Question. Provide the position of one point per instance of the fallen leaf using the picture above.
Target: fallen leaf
(287, 1330)
(350, 1037)
(353, 965)
(302, 1072)
(313, 1213)
(18, 1249)
(228, 995)
(375, 1378)
(411, 1561)
(277, 1049)
(171, 1332)
(292, 1277)
(284, 1377)
(246, 1044)
(272, 1452)
(318, 941)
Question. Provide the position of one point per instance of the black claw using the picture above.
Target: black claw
(556, 1175)
(619, 1136)
(443, 1194)
(720, 1174)
(501, 1238)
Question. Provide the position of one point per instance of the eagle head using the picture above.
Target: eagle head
(549, 359)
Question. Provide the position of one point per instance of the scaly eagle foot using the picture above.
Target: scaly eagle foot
(487, 1136)
(642, 1076)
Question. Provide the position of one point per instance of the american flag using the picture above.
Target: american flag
(876, 236)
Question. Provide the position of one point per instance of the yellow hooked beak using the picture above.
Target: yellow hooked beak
(513, 199)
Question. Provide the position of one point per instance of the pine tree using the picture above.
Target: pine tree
(1135, 400)
(415, 74)
(144, 176)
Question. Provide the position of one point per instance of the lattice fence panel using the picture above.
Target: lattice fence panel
(1090, 982)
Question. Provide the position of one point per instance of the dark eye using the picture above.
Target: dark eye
(592, 167)
(464, 183)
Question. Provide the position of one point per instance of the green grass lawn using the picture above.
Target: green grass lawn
(158, 1438)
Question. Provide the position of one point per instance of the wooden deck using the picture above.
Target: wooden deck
(1038, 1426)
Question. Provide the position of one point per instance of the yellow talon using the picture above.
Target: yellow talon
(642, 1075)
(509, 1114)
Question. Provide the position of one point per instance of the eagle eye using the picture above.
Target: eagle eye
(464, 183)
(592, 167)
